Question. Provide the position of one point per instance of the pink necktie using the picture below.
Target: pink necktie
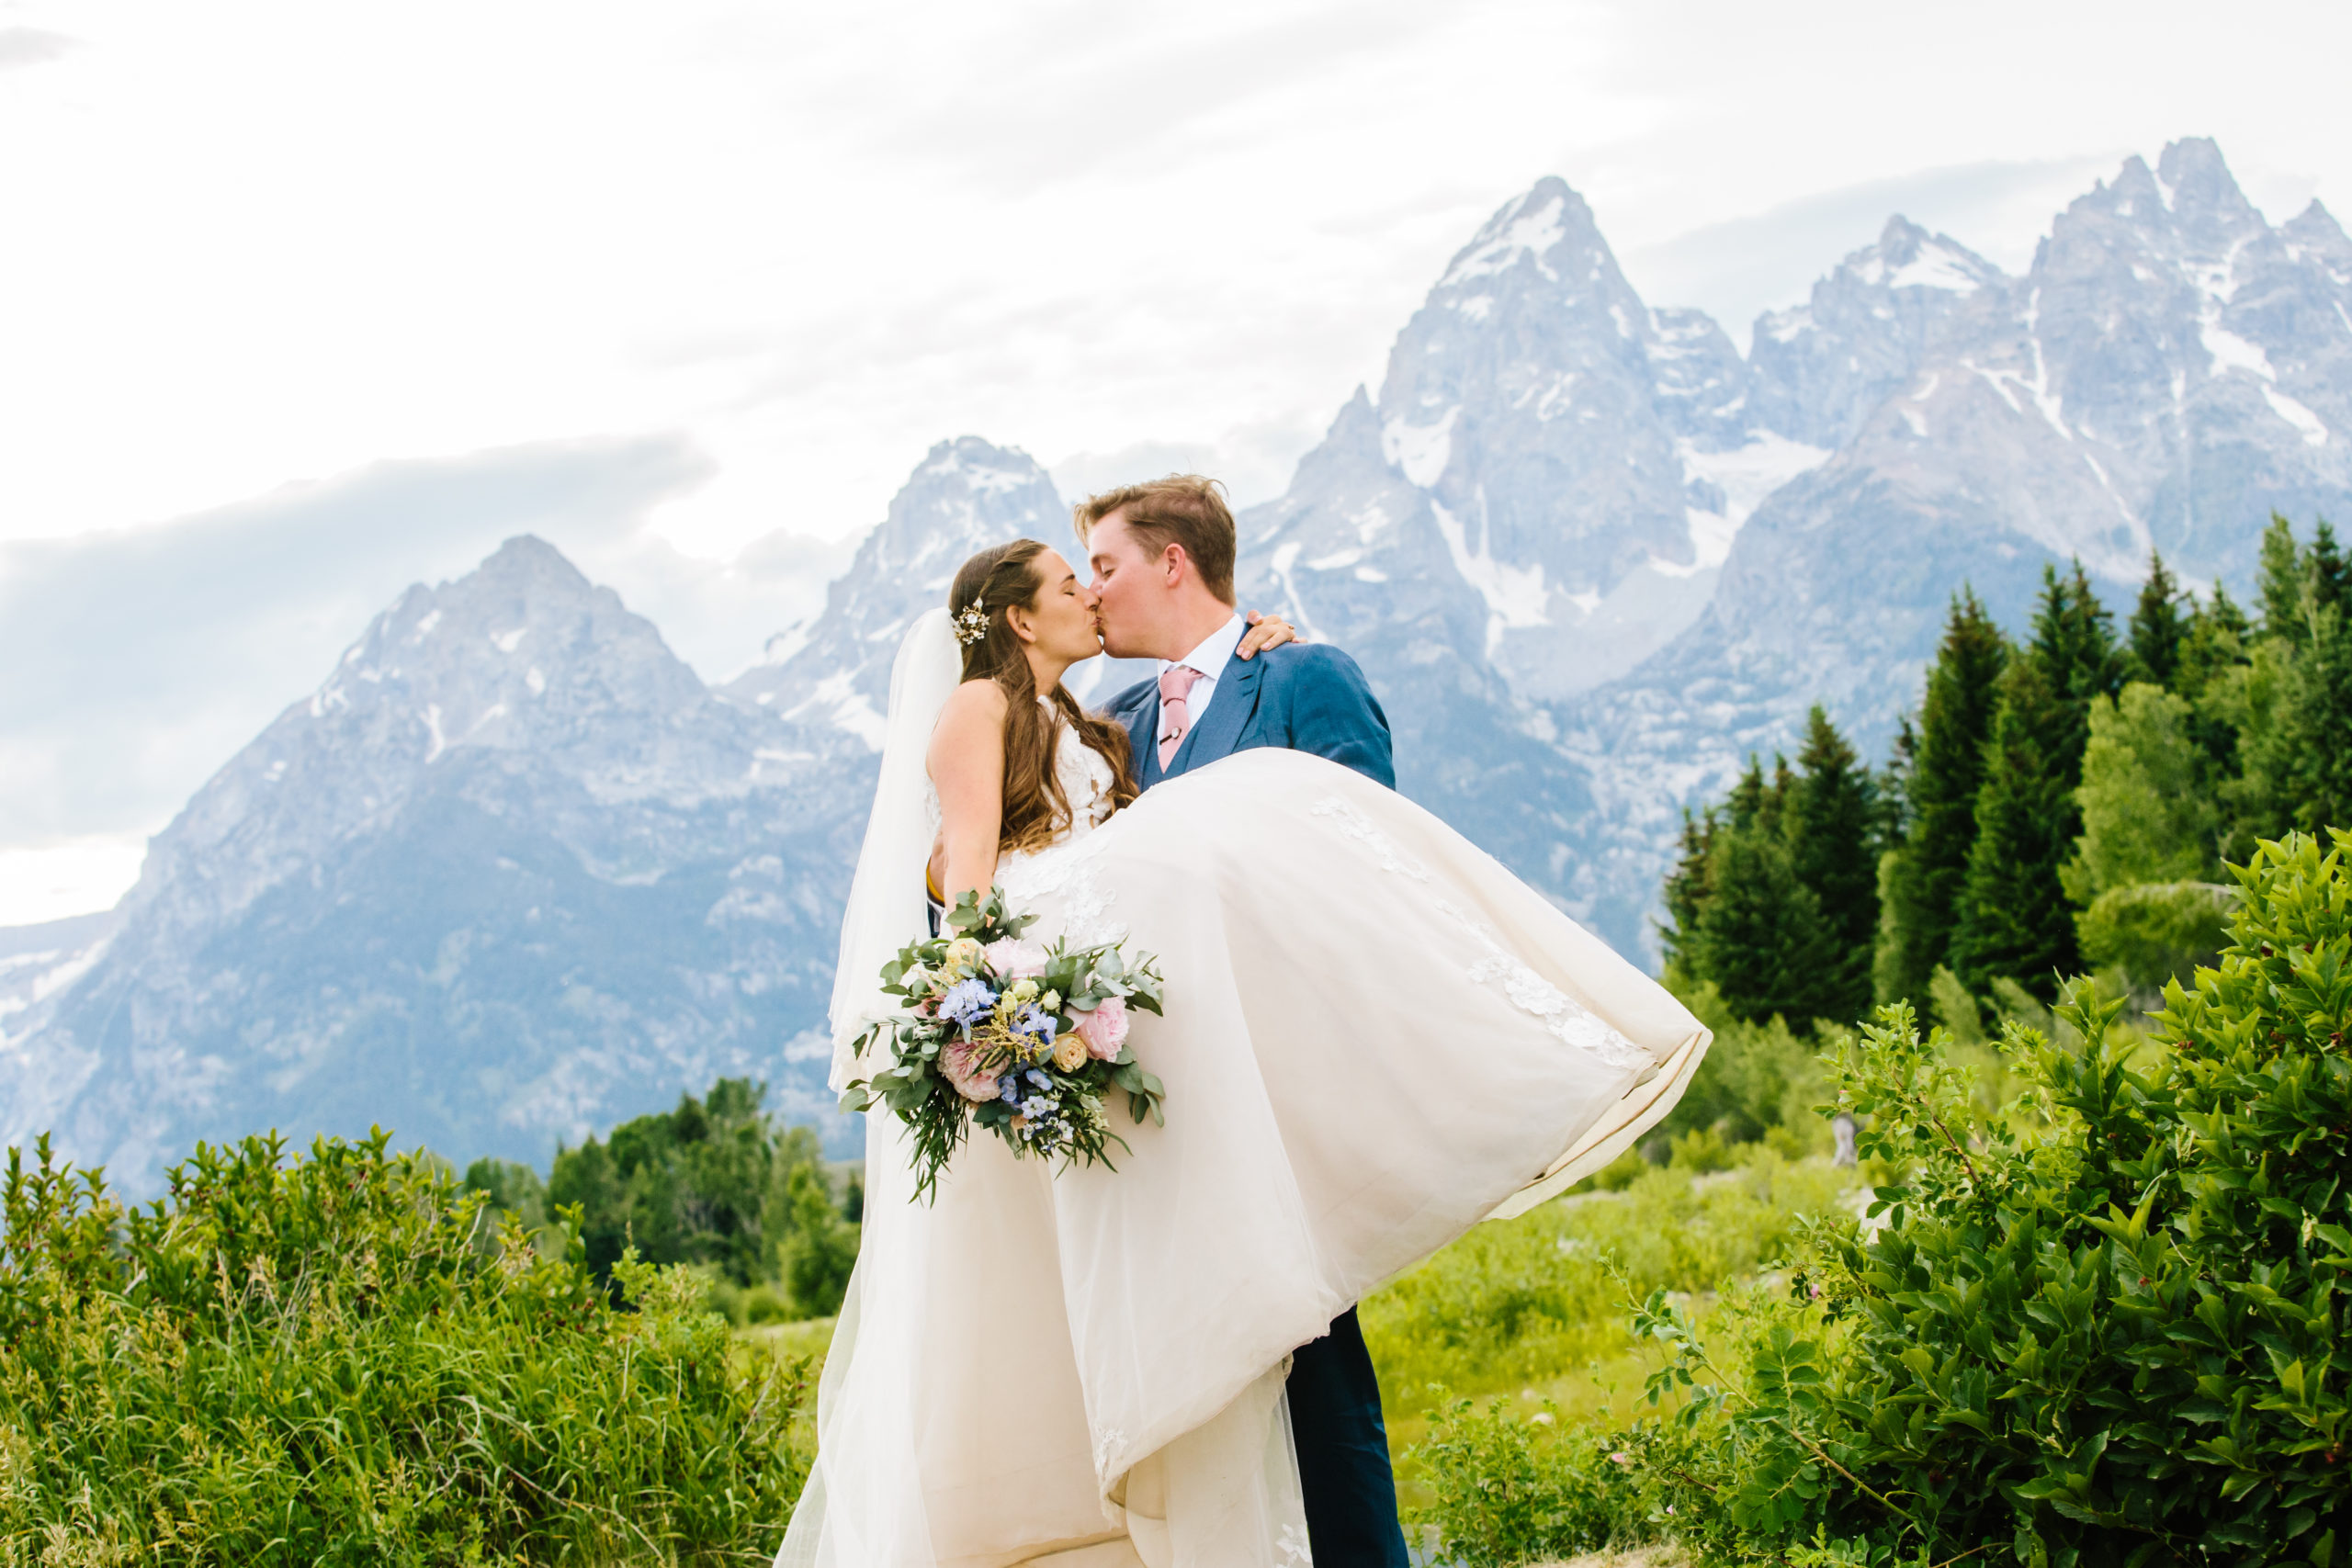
(1175, 681)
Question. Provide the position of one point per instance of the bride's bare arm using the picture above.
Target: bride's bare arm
(967, 762)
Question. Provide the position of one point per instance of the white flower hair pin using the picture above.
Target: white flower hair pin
(971, 624)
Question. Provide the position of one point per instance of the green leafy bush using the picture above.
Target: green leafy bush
(2104, 1327)
(314, 1360)
(2100, 1326)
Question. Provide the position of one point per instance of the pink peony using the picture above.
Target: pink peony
(970, 1079)
(1014, 959)
(1105, 1029)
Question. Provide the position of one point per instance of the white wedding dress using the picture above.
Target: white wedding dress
(1375, 1037)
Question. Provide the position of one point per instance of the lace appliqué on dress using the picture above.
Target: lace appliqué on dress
(1292, 1549)
(1066, 868)
(1359, 826)
(1106, 1443)
(1567, 1020)
(1066, 865)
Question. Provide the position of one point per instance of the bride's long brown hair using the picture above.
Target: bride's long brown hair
(1035, 808)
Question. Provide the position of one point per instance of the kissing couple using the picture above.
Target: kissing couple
(1374, 1037)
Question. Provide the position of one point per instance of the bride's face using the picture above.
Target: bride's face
(1059, 622)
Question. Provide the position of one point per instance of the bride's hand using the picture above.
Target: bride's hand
(1265, 632)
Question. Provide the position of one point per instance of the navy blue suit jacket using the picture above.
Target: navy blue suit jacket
(1304, 696)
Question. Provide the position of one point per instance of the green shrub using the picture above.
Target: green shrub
(1755, 1077)
(313, 1360)
(2104, 1327)
(1512, 1489)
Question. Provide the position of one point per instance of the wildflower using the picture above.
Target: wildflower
(966, 1002)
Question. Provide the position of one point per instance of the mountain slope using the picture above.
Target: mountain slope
(508, 873)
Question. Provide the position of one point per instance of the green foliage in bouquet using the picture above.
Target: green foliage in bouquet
(316, 1360)
(1026, 1044)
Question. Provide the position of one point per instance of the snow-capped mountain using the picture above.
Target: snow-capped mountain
(2169, 371)
(513, 870)
(1582, 459)
(508, 873)
(1586, 525)
(1819, 369)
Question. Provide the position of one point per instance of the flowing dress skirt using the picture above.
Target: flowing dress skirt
(1376, 1037)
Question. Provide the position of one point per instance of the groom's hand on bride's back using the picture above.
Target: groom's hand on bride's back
(1265, 632)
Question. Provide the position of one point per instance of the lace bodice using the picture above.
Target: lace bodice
(1084, 775)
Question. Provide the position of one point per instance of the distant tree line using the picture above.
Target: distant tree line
(2063, 803)
(715, 1183)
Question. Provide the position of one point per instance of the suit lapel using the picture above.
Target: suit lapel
(1229, 709)
(1142, 725)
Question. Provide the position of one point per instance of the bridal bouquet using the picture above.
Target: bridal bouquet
(999, 1032)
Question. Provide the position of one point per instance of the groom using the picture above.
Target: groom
(1162, 554)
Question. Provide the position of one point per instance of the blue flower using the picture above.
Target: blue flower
(1040, 1079)
(967, 1002)
(1036, 1022)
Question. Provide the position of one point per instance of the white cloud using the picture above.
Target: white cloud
(261, 241)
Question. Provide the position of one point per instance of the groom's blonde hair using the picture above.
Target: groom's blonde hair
(1183, 509)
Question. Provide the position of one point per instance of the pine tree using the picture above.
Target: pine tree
(2297, 766)
(1890, 791)
(1761, 936)
(2158, 628)
(2074, 635)
(2329, 573)
(2014, 917)
(2281, 581)
(1685, 895)
(2215, 646)
(1923, 882)
(1828, 822)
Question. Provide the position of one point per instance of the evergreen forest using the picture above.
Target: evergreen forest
(2061, 802)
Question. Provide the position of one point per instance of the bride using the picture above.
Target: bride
(1374, 1037)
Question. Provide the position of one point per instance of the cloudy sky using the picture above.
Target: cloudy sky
(301, 303)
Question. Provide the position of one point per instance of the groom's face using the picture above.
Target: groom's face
(1130, 592)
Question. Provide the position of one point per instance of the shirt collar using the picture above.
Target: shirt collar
(1210, 657)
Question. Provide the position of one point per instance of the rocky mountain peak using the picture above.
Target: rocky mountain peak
(2202, 195)
(1821, 368)
(2314, 230)
(831, 675)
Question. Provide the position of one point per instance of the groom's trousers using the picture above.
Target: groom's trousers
(1344, 1473)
